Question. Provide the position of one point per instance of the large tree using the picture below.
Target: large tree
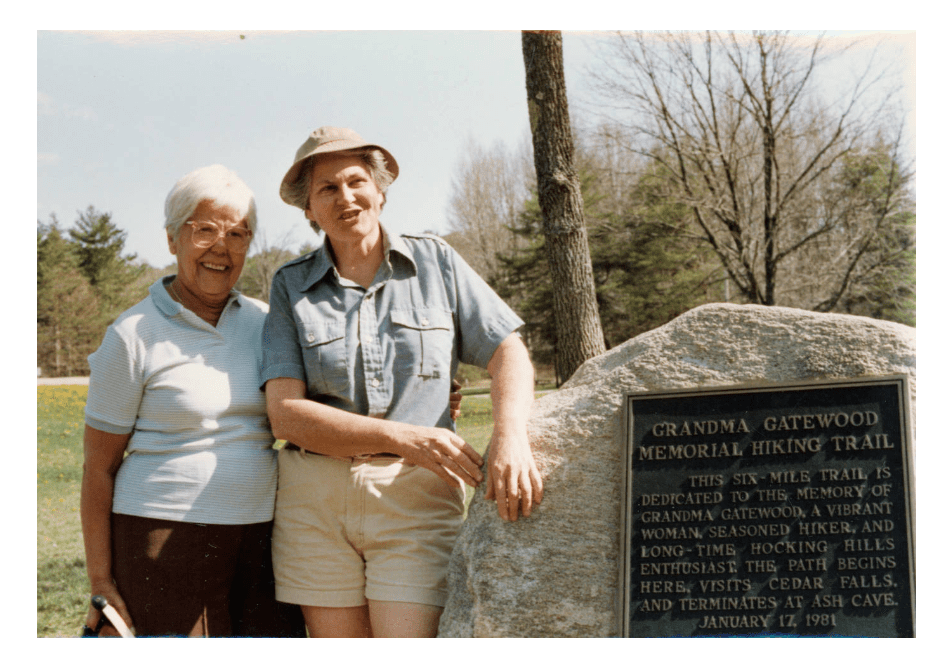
(578, 329)
(646, 267)
(761, 154)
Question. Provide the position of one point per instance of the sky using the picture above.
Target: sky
(121, 115)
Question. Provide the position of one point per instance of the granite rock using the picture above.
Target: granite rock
(557, 573)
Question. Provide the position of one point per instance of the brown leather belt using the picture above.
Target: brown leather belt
(358, 459)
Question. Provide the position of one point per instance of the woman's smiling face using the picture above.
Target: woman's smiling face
(344, 199)
(208, 274)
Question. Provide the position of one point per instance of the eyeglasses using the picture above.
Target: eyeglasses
(206, 234)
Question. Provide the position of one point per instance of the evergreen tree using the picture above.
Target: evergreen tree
(522, 279)
(646, 266)
(69, 324)
(83, 282)
(882, 281)
(99, 244)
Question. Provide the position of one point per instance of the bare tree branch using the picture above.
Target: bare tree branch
(751, 144)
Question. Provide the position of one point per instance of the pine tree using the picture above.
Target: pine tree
(523, 280)
(83, 282)
(69, 323)
(648, 269)
(99, 244)
(646, 266)
(882, 280)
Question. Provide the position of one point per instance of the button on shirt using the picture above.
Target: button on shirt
(389, 350)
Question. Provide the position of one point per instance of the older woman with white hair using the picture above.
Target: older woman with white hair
(179, 475)
(362, 341)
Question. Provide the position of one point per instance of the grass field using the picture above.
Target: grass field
(61, 567)
(60, 562)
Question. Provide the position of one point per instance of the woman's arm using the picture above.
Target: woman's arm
(325, 430)
(102, 456)
(513, 474)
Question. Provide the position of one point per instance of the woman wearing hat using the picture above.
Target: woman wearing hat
(360, 346)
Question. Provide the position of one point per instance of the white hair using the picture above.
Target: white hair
(216, 184)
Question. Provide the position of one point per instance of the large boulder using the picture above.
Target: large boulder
(557, 573)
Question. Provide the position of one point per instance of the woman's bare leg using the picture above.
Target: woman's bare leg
(404, 619)
(328, 622)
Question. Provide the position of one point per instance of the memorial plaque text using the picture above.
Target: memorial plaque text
(780, 510)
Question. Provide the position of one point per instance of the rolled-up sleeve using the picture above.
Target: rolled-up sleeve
(281, 352)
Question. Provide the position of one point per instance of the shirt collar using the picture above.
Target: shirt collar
(322, 263)
(399, 246)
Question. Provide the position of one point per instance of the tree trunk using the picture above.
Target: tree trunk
(56, 363)
(578, 328)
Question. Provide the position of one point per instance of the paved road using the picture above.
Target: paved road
(40, 381)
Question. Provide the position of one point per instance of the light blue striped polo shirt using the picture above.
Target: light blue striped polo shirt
(188, 392)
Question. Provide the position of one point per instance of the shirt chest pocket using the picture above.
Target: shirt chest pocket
(324, 348)
(423, 341)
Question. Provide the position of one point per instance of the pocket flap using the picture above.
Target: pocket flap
(321, 332)
(422, 318)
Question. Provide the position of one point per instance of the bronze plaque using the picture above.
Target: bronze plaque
(783, 510)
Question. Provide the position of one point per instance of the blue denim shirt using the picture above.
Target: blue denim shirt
(392, 349)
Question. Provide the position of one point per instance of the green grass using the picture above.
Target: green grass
(61, 587)
(475, 425)
(60, 560)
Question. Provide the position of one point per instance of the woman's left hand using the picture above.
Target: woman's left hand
(513, 479)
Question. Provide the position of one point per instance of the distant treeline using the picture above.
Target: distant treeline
(84, 281)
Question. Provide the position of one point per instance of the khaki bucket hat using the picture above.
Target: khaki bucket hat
(329, 140)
